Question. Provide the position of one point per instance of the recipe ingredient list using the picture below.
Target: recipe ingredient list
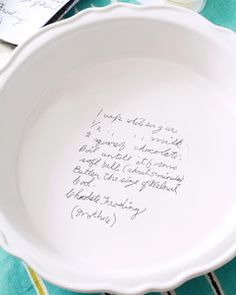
(128, 156)
(19, 19)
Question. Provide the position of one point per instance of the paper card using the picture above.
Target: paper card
(19, 19)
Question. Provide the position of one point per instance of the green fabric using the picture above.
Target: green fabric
(195, 287)
(15, 280)
(221, 12)
(227, 277)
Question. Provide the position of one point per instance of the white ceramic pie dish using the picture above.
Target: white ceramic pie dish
(118, 149)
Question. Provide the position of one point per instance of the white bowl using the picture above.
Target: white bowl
(195, 5)
(120, 85)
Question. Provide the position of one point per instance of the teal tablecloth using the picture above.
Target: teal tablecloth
(17, 279)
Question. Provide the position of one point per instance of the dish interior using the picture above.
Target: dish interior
(122, 156)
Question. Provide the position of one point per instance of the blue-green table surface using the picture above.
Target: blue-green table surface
(18, 279)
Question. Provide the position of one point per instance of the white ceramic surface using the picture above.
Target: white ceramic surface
(195, 5)
(118, 149)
